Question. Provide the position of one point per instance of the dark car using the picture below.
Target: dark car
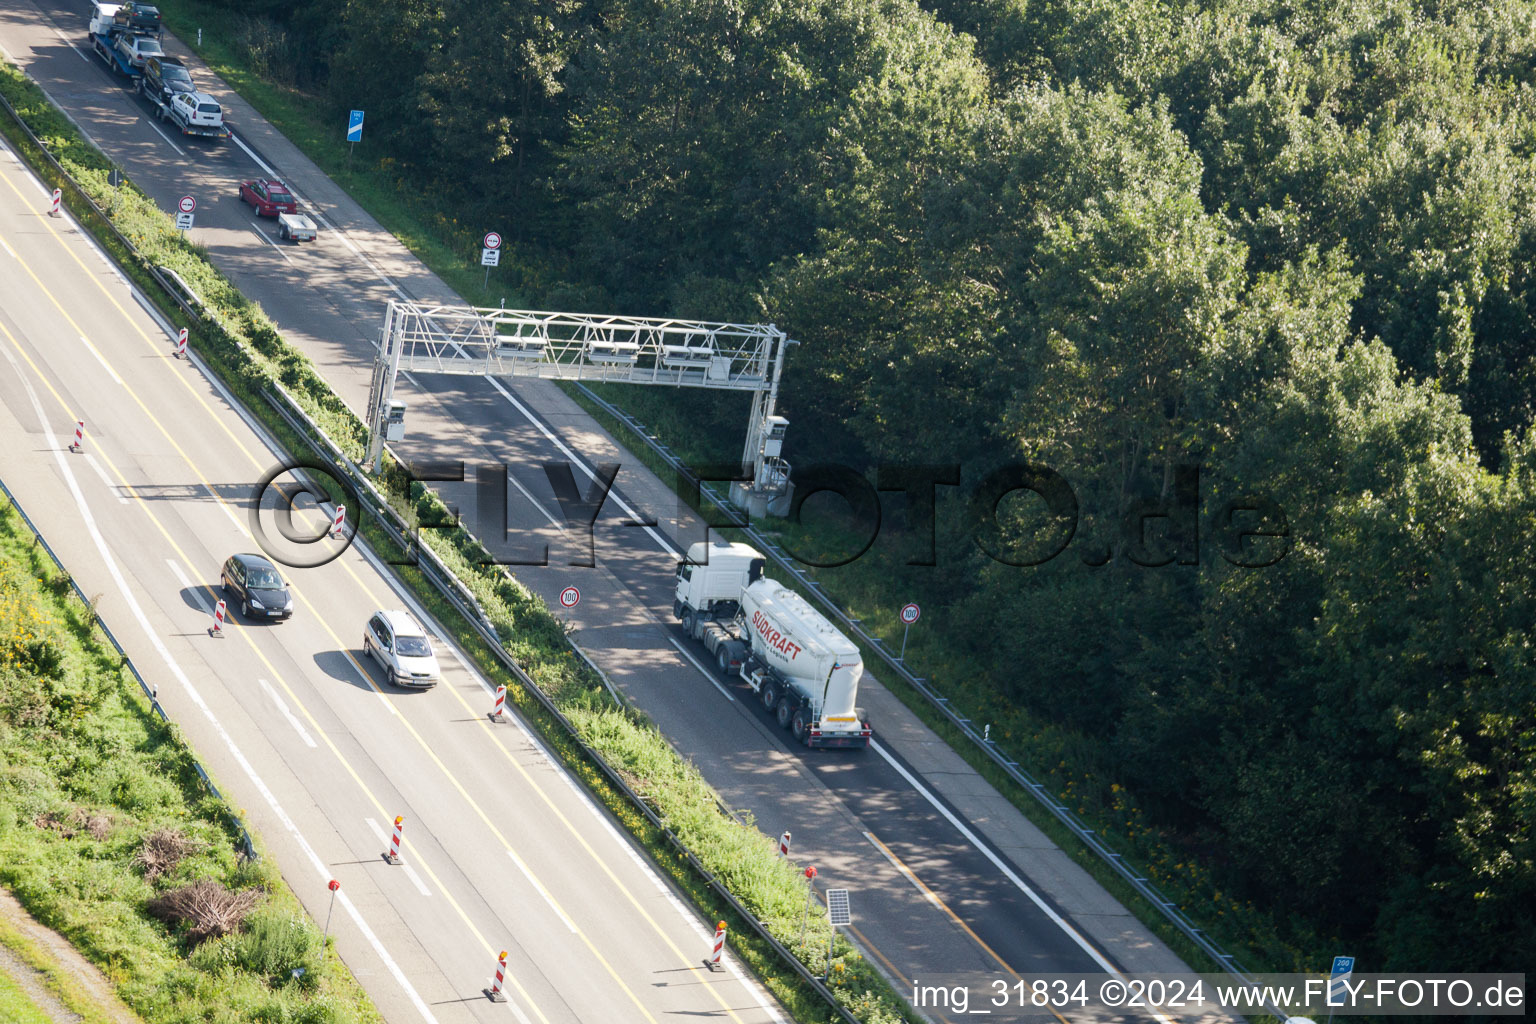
(140, 19)
(256, 584)
(165, 76)
(270, 198)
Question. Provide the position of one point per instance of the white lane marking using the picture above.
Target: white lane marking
(197, 698)
(166, 137)
(534, 501)
(694, 925)
(102, 360)
(6, 246)
(542, 891)
(263, 236)
(72, 46)
(293, 719)
(336, 229)
(239, 526)
(111, 487)
(690, 918)
(904, 871)
(581, 464)
(997, 862)
(187, 584)
(706, 672)
(410, 872)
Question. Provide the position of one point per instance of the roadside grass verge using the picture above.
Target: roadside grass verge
(56, 977)
(424, 221)
(1077, 767)
(16, 1007)
(242, 346)
(87, 774)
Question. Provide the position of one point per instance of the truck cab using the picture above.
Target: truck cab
(102, 18)
(710, 581)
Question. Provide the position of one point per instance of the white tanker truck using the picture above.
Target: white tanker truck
(802, 668)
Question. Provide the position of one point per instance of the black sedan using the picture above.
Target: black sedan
(256, 584)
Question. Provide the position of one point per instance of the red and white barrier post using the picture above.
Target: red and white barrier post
(217, 629)
(495, 714)
(181, 343)
(784, 844)
(339, 520)
(494, 993)
(713, 960)
(53, 208)
(79, 442)
(393, 853)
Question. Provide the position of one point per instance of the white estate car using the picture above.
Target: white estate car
(401, 647)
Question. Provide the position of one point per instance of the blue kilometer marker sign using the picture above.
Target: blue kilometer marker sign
(355, 126)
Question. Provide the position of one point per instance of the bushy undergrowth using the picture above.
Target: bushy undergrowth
(243, 346)
(92, 786)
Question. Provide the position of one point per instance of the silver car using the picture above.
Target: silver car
(402, 648)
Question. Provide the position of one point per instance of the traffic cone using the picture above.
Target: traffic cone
(79, 442)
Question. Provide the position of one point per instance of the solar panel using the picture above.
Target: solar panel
(838, 912)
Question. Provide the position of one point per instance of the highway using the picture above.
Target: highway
(502, 850)
(946, 876)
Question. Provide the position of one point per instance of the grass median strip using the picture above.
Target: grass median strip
(105, 825)
(245, 349)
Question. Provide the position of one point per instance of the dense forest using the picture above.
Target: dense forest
(1293, 244)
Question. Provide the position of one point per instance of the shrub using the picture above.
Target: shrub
(209, 909)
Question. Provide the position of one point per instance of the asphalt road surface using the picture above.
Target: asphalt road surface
(502, 850)
(940, 886)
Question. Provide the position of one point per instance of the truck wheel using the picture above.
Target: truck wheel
(689, 621)
(784, 713)
(677, 609)
(769, 695)
(723, 659)
(800, 726)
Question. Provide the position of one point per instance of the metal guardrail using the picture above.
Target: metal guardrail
(80, 196)
(1168, 908)
(247, 847)
(433, 569)
(453, 589)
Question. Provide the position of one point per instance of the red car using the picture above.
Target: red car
(270, 198)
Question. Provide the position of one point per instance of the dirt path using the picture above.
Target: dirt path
(93, 987)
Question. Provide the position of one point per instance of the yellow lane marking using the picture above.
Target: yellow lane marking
(94, 277)
(937, 901)
(243, 634)
(684, 958)
(362, 673)
(934, 898)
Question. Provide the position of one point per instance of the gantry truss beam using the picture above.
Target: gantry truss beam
(423, 338)
(577, 346)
